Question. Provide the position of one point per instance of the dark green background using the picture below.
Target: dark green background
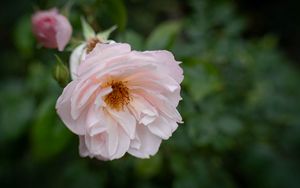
(241, 96)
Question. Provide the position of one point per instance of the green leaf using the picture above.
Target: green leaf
(88, 31)
(39, 79)
(65, 10)
(23, 37)
(207, 81)
(117, 11)
(133, 38)
(16, 110)
(229, 125)
(104, 35)
(78, 174)
(149, 167)
(164, 35)
(49, 135)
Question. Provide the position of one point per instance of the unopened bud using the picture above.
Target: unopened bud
(51, 29)
(61, 73)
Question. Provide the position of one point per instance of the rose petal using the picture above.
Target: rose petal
(167, 63)
(63, 32)
(63, 107)
(144, 112)
(125, 120)
(76, 57)
(146, 144)
(162, 127)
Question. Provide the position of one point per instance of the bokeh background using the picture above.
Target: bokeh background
(241, 95)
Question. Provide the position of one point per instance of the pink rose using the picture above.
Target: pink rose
(51, 29)
(122, 101)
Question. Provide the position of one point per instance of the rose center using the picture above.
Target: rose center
(91, 44)
(119, 97)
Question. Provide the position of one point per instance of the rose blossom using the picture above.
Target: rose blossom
(51, 29)
(122, 101)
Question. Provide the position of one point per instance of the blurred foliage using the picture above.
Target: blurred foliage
(241, 101)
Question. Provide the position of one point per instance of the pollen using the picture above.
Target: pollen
(91, 44)
(119, 97)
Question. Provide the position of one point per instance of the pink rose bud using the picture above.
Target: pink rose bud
(51, 29)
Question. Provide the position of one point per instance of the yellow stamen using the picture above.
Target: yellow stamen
(119, 97)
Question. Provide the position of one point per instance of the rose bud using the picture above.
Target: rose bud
(51, 29)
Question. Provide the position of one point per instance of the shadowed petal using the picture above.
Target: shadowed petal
(146, 144)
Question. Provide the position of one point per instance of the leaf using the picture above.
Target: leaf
(49, 135)
(164, 35)
(16, 110)
(207, 81)
(88, 31)
(40, 80)
(149, 167)
(78, 174)
(117, 11)
(65, 10)
(133, 38)
(229, 125)
(104, 35)
(23, 37)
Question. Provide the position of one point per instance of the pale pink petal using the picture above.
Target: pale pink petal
(118, 65)
(113, 137)
(174, 96)
(96, 128)
(76, 57)
(96, 145)
(136, 142)
(103, 52)
(161, 103)
(144, 112)
(88, 93)
(162, 127)
(125, 120)
(85, 91)
(64, 32)
(154, 81)
(83, 150)
(146, 144)
(96, 121)
(99, 99)
(123, 145)
(63, 107)
(167, 62)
